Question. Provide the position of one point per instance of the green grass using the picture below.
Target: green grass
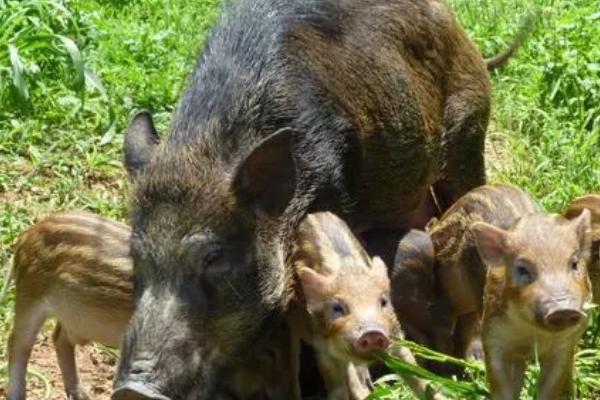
(72, 72)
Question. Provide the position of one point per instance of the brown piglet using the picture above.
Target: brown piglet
(342, 306)
(76, 268)
(459, 268)
(592, 203)
(419, 303)
(525, 273)
(421, 307)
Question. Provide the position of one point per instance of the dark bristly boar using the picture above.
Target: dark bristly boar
(266, 373)
(525, 273)
(592, 203)
(76, 268)
(356, 107)
(342, 306)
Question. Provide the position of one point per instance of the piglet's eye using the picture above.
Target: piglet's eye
(574, 263)
(337, 309)
(522, 274)
(384, 301)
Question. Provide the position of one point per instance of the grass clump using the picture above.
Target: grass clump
(39, 44)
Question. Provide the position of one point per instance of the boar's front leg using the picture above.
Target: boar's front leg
(556, 374)
(295, 348)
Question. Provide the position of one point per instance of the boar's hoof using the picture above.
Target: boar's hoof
(563, 318)
(372, 341)
(136, 391)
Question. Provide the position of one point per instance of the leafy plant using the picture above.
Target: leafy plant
(37, 45)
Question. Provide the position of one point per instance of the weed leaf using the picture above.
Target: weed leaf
(76, 59)
(18, 74)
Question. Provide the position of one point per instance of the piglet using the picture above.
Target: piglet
(524, 272)
(342, 306)
(592, 203)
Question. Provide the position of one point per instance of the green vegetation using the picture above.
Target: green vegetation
(72, 72)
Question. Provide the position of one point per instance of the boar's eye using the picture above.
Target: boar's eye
(212, 253)
(203, 254)
(337, 309)
(522, 274)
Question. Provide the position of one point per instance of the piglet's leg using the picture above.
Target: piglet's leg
(65, 352)
(556, 373)
(335, 375)
(505, 375)
(359, 381)
(28, 321)
(467, 329)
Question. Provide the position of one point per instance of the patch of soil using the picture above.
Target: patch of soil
(96, 367)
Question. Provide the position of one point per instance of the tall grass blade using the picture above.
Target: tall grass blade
(18, 74)
(76, 59)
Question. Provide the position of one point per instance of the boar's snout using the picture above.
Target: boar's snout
(136, 391)
(371, 341)
(160, 355)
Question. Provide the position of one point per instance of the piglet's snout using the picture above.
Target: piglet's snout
(372, 341)
(563, 318)
(563, 313)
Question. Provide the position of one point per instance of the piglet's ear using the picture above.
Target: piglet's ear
(583, 228)
(379, 268)
(315, 286)
(491, 243)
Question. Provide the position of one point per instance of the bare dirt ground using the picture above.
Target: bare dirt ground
(96, 368)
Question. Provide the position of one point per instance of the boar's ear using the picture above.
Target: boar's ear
(266, 179)
(140, 141)
(583, 228)
(491, 243)
(315, 287)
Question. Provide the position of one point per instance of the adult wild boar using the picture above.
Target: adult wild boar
(354, 106)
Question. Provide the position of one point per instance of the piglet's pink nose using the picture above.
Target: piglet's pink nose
(372, 341)
(563, 318)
